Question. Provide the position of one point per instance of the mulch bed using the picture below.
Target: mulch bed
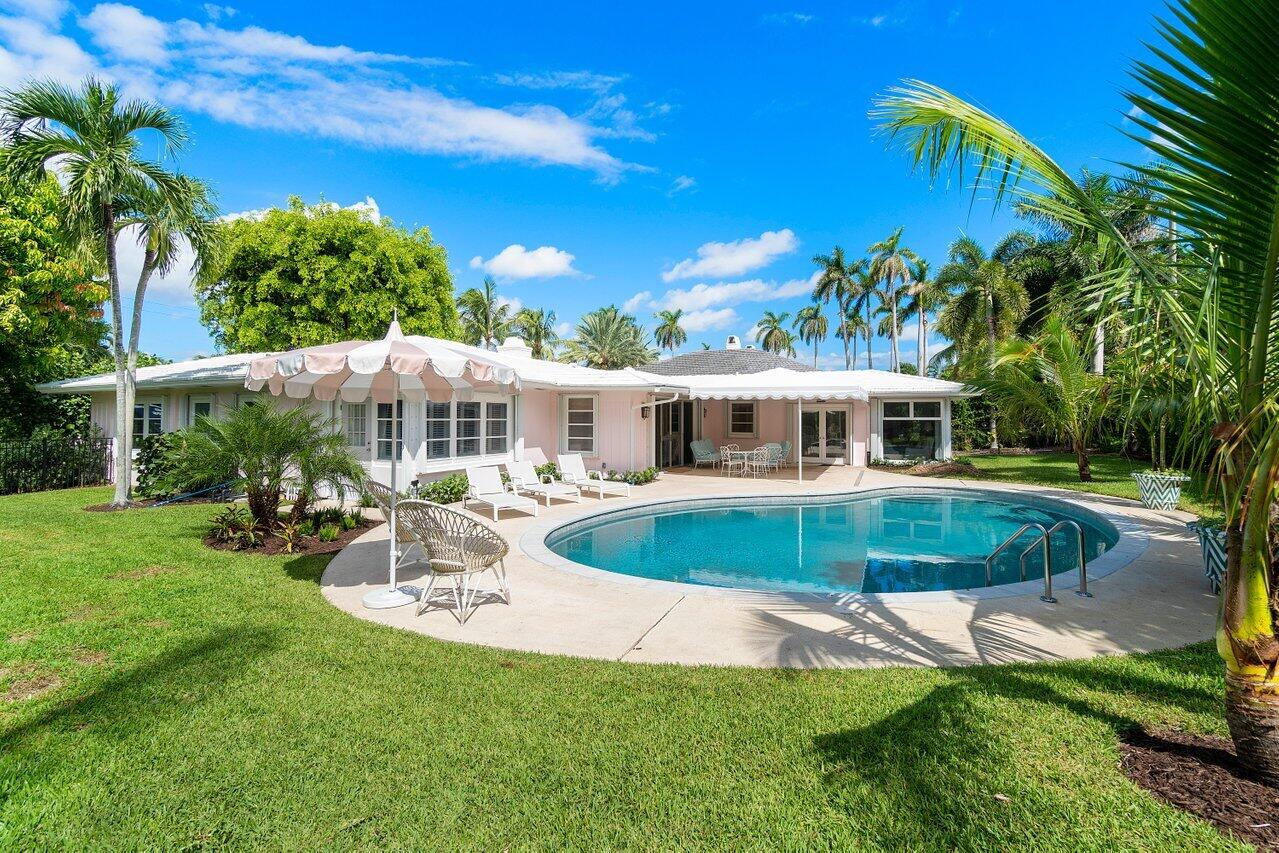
(306, 546)
(942, 469)
(1200, 774)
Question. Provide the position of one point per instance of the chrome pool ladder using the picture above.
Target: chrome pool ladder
(1044, 542)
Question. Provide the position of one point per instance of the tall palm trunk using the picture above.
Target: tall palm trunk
(843, 313)
(990, 342)
(870, 360)
(920, 360)
(123, 403)
(892, 331)
(1081, 460)
(923, 346)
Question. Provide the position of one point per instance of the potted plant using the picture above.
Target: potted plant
(1212, 542)
(1160, 487)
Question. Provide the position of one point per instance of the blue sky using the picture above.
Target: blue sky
(629, 137)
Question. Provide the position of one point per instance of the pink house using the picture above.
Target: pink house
(617, 419)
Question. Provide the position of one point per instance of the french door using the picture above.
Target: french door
(824, 435)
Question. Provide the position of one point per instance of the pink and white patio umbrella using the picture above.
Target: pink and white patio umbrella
(412, 368)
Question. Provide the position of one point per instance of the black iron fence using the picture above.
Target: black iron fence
(40, 464)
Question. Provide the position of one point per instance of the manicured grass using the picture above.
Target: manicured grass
(1112, 475)
(215, 699)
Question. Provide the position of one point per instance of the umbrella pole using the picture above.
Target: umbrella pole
(392, 596)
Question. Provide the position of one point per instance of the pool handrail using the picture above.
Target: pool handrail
(990, 561)
(1045, 540)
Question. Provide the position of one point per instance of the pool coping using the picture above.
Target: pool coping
(1133, 541)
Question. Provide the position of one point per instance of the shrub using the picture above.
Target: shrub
(642, 477)
(366, 501)
(235, 525)
(328, 533)
(446, 490)
(150, 465)
(290, 536)
(549, 468)
(328, 515)
(351, 520)
(263, 445)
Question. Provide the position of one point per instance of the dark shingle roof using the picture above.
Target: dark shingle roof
(715, 361)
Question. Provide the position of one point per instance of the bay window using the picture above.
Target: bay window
(911, 429)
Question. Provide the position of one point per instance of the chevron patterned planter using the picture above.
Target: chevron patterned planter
(1212, 541)
(1160, 491)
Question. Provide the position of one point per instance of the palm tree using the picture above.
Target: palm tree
(890, 265)
(669, 333)
(94, 138)
(925, 297)
(787, 346)
(837, 280)
(609, 340)
(486, 319)
(864, 289)
(1045, 382)
(537, 328)
(1217, 179)
(851, 324)
(811, 323)
(987, 301)
(771, 334)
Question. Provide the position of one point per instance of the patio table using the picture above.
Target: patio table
(743, 455)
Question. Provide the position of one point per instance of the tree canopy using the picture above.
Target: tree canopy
(50, 305)
(313, 274)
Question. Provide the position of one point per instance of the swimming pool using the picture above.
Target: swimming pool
(874, 543)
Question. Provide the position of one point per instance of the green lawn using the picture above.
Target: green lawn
(1112, 475)
(200, 698)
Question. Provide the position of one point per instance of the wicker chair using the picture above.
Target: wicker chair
(459, 550)
(381, 495)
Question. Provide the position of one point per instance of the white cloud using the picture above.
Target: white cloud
(638, 301)
(30, 50)
(368, 209)
(513, 303)
(709, 320)
(683, 182)
(584, 80)
(740, 256)
(127, 34)
(43, 10)
(217, 13)
(563, 329)
(516, 262)
(783, 18)
(267, 80)
(702, 296)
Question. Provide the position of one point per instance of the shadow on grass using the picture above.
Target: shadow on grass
(131, 701)
(307, 568)
(960, 759)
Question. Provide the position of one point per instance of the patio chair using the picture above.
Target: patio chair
(785, 457)
(486, 487)
(774, 455)
(704, 453)
(381, 495)
(757, 462)
(573, 469)
(459, 550)
(730, 461)
(524, 478)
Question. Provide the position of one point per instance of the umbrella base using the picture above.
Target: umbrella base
(385, 598)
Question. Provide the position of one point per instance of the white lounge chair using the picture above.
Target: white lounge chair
(574, 472)
(486, 487)
(524, 479)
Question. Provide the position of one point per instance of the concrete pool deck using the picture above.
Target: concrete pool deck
(1158, 597)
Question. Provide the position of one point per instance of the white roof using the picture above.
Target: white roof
(776, 384)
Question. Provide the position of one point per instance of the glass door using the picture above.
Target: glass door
(824, 435)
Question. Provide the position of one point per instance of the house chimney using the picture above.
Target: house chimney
(733, 342)
(515, 346)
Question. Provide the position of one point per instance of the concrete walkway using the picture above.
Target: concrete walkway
(1158, 599)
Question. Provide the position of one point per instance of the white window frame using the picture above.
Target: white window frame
(728, 417)
(144, 402)
(490, 421)
(446, 439)
(397, 439)
(458, 438)
(595, 424)
(943, 439)
(195, 399)
(355, 425)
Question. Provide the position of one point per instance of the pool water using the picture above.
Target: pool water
(877, 543)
